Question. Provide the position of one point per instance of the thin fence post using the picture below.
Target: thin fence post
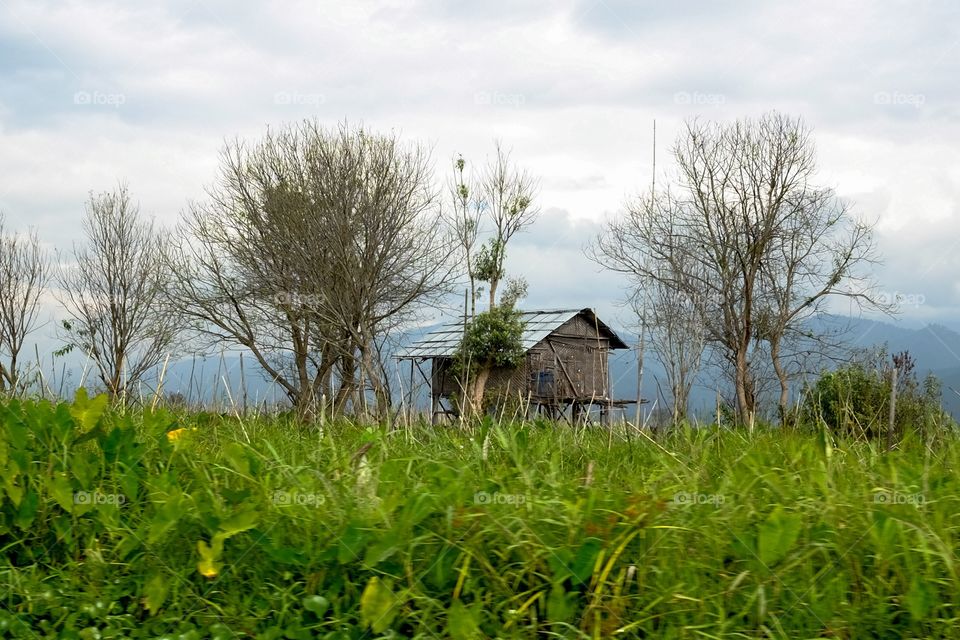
(893, 408)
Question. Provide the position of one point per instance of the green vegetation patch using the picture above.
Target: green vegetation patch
(150, 524)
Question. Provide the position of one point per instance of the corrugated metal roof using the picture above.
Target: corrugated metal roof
(444, 340)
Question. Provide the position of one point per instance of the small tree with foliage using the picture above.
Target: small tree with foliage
(492, 340)
(498, 203)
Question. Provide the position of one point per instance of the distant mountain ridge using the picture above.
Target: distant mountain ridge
(229, 380)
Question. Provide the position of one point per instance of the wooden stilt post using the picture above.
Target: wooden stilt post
(410, 397)
(891, 425)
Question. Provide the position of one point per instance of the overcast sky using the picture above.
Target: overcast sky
(96, 92)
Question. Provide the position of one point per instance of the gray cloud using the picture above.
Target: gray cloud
(95, 92)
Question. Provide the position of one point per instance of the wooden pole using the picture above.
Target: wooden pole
(410, 398)
(718, 408)
(433, 396)
(893, 408)
(643, 316)
(640, 349)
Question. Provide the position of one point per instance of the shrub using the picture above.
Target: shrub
(854, 400)
(492, 340)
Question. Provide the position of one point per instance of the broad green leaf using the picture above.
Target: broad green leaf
(13, 490)
(155, 592)
(559, 606)
(378, 606)
(58, 486)
(461, 623)
(316, 605)
(777, 535)
(16, 431)
(28, 509)
(238, 522)
(63, 527)
(351, 544)
(166, 516)
(585, 560)
(87, 412)
(84, 469)
(209, 554)
(383, 548)
(236, 455)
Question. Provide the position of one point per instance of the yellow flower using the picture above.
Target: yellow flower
(176, 434)
(207, 568)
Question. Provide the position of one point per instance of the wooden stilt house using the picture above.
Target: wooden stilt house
(565, 371)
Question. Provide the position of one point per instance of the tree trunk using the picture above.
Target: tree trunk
(348, 371)
(681, 394)
(473, 290)
(782, 378)
(376, 382)
(745, 404)
(324, 381)
(476, 390)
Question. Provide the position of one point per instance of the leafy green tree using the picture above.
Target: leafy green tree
(492, 340)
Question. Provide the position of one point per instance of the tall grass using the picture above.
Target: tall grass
(264, 528)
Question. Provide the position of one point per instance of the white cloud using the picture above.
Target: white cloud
(573, 89)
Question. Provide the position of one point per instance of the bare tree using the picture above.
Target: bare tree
(676, 334)
(112, 292)
(506, 195)
(311, 247)
(24, 274)
(498, 204)
(818, 247)
(464, 219)
(743, 200)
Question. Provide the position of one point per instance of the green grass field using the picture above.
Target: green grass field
(111, 526)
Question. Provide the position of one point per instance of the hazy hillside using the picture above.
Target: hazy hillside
(223, 381)
(935, 348)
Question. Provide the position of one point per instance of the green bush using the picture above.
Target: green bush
(492, 339)
(854, 400)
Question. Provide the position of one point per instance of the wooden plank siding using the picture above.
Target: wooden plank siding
(569, 365)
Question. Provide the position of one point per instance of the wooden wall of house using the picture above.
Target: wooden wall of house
(577, 360)
(573, 356)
